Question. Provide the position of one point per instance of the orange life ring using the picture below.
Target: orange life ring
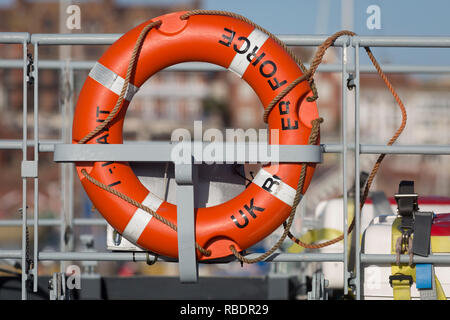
(230, 43)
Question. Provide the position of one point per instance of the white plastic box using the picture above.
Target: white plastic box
(329, 214)
(377, 240)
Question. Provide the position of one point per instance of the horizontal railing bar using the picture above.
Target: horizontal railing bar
(142, 256)
(391, 258)
(49, 146)
(405, 149)
(74, 39)
(54, 222)
(14, 37)
(394, 149)
(16, 144)
(95, 256)
(203, 66)
(291, 40)
(402, 41)
(10, 254)
(162, 151)
(109, 38)
(165, 151)
(275, 257)
(369, 41)
(82, 256)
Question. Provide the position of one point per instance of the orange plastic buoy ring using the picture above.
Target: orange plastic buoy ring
(232, 44)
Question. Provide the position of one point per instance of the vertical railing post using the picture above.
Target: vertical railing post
(187, 262)
(24, 179)
(357, 216)
(36, 160)
(344, 161)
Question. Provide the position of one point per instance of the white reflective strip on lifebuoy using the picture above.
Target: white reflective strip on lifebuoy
(112, 81)
(141, 218)
(240, 61)
(275, 186)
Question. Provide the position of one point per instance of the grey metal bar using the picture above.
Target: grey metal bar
(62, 171)
(36, 179)
(74, 39)
(357, 180)
(142, 256)
(11, 254)
(290, 40)
(11, 144)
(96, 256)
(310, 40)
(162, 151)
(15, 144)
(187, 261)
(370, 41)
(71, 166)
(203, 66)
(332, 148)
(275, 257)
(344, 161)
(54, 222)
(106, 39)
(394, 149)
(390, 258)
(402, 41)
(49, 146)
(24, 179)
(398, 69)
(406, 149)
(14, 37)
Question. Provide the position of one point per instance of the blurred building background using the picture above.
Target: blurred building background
(174, 99)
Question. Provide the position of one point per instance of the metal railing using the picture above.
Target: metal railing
(349, 46)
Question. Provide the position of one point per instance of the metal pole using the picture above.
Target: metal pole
(36, 179)
(24, 179)
(357, 182)
(390, 258)
(276, 257)
(71, 166)
(401, 41)
(394, 149)
(62, 167)
(142, 256)
(290, 40)
(344, 163)
(15, 37)
(49, 146)
(54, 222)
(16, 144)
(203, 66)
